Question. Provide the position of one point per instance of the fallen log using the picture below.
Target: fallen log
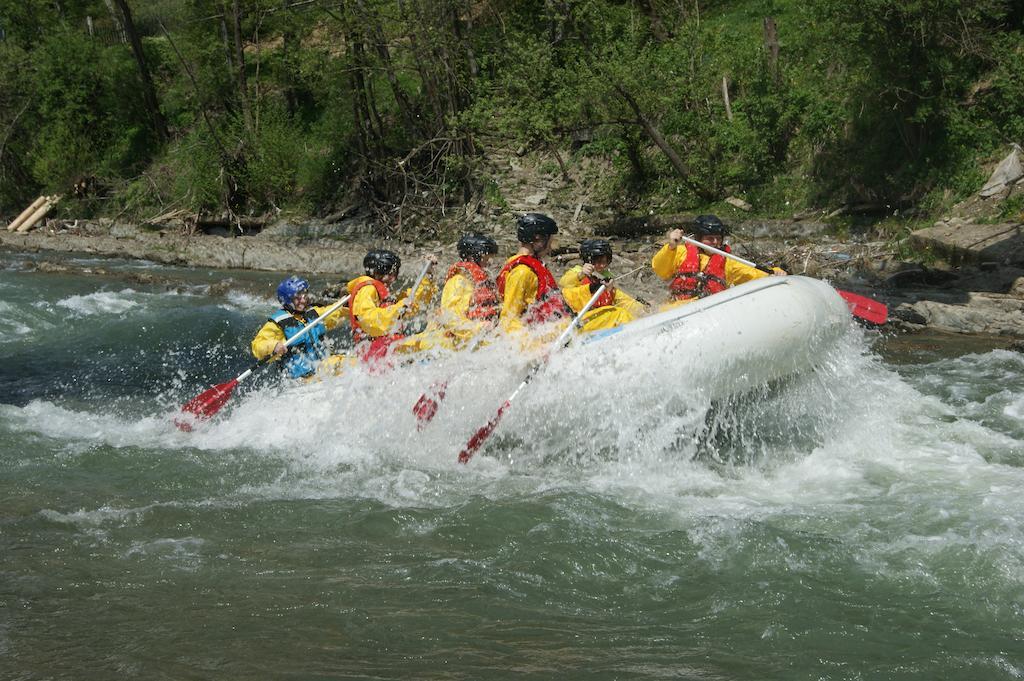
(18, 221)
(39, 213)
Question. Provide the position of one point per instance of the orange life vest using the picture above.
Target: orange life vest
(371, 349)
(691, 281)
(484, 303)
(549, 304)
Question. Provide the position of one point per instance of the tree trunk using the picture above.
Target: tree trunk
(243, 85)
(771, 47)
(657, 26)
(659, 140)
(226, 42)
(148, 89)
(117, 19)
(725, 97)
(405, 109)
(288, 49)
(460, 35)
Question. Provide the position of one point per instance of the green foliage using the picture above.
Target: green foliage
(493, 196)
(1013, 207)
(874, 101)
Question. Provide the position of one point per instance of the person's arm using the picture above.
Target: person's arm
(456, 296)
(577, 296)
(335, 317)
(666, 261)
(455, 300)
(572, 277)
(374, 320)
(424, 294)
(737, 273)
(520, 292)
(628, 303)
(266, 340)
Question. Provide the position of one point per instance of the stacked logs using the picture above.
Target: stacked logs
(31, 216)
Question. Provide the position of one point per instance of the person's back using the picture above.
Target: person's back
(529, 293)
(470, 304)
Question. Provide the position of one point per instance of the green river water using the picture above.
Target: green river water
(864, 521)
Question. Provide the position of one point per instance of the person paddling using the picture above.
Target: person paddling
(694, 274)
(529, 293)
(614, 307)
(303, 358)
(470, 304)
(376, 317)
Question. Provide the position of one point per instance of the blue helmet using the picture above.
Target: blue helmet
(289, 288)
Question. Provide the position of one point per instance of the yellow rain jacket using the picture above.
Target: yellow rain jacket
(666, 262)
(624, 307)
(519, 301)
(376, 320)
(457, 297)
(270, 334)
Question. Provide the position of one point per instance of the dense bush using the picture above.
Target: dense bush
(392, 102)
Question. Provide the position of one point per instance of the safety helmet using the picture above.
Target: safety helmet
(708, 225)
(289, 288)
(533, 225)
(591, 249)
(380, 262)
(474, 246)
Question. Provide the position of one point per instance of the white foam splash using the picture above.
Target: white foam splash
(9, 323)
(247, 302)
(815, 441)
(100, 302)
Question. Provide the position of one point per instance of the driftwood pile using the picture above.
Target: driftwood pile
(32, 215)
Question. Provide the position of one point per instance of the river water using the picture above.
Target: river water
(863, 521)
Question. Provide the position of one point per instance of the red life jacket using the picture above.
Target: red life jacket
(607, 296)
(372, 349)
(549, 304)
(484, 304)
(691, 281)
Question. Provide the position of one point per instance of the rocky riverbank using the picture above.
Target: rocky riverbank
(977, 287)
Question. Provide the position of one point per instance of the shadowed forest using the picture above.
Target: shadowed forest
(258, 107)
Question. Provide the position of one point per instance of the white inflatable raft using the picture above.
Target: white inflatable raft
(730, 342)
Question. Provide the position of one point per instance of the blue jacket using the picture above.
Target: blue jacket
(302, 357)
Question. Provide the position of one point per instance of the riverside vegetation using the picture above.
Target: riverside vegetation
(324, 123)
(254, 107)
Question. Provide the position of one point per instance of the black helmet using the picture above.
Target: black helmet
(590, 249)
(533, 225)
(380, 262)
(474, 246)
(707, 225)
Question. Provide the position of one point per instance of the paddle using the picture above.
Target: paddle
(861, 307)
(426, 406)
(208, 403)
(481, 435)
(416, 287)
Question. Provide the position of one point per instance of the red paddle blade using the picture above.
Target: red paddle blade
(480, 436)
(208, 403)
(865, 308)
(426, 407)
